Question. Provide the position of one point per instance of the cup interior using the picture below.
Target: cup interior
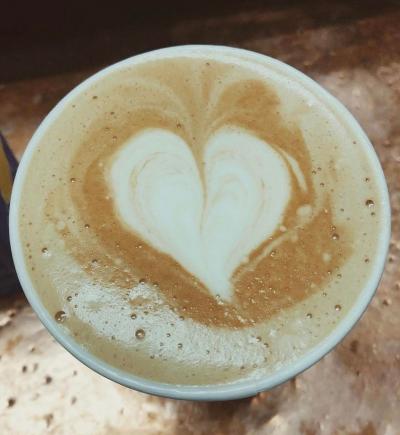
(238, 389)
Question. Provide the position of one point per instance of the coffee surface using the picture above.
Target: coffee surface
(199, 216)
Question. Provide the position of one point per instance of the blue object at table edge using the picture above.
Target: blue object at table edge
(8, 279)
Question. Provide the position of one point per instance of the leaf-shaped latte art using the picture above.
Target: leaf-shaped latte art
(208, 215)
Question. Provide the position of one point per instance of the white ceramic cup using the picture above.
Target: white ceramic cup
(240, 389)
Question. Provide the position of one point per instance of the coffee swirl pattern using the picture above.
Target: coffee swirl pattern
(191, 186)
(201, 189)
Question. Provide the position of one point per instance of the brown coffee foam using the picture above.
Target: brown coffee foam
(194, 99)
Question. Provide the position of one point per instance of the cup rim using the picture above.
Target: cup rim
(239, 389)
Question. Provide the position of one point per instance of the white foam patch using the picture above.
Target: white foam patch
(296, 170)
(109, 314)
(209, 226)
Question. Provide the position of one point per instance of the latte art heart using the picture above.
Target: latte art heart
(207, 215)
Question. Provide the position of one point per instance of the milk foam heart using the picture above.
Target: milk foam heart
(208, 219)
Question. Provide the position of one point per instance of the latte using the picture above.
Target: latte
(199, 215)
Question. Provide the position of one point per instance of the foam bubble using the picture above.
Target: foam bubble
(140, 334)
(60, 316)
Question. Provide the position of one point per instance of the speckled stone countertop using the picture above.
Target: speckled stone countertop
(355, 54)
